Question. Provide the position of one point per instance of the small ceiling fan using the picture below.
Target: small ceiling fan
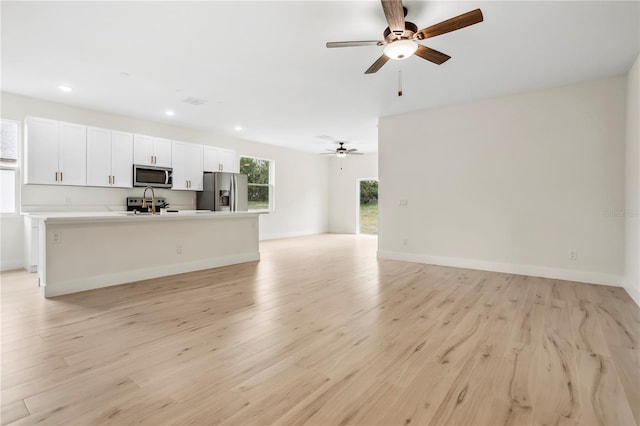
(401, 37)
(341, 151)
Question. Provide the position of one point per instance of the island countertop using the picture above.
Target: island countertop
(106, 216)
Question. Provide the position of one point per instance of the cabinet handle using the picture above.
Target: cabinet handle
(56, 176)
(61, 178)
(113, 180)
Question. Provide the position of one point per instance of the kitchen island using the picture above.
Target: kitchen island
(84, 251)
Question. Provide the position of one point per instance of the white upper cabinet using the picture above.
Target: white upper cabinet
(150, 151)
(56, 152)
(210, 162)
(220, 160)
(194, 166)
(109, 158)
(122, 159)
(143, 150)
(162, 152)
(227, 160)
(41, 151)
(187, 163)
(98, 157)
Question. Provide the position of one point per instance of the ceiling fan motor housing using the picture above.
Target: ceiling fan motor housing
(409, 30)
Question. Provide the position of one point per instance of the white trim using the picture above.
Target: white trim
(107, 280)
(634, 293)
(509, 268)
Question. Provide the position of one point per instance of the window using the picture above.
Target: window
(9, 135)
(260, 177)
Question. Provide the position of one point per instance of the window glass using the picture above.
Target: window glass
(260, 177)
(8, 141)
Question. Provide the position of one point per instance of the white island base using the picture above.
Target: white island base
(85, 251)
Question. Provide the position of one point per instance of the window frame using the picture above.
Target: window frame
(270, 185)
(15, 167)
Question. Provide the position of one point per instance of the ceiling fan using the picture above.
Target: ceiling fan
(341, 151)
(401, 37)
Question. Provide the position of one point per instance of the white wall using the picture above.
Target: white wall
(632, 210)
(299, 210)
(343, 185)
(12, 248)
(510, 184)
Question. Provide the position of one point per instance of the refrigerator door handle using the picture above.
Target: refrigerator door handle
(234, 196)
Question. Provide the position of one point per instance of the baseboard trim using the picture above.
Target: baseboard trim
(634, 293)
(509, 268)
(107, 280)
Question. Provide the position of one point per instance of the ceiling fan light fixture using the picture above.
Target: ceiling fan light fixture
(341, 154)
(400, 49)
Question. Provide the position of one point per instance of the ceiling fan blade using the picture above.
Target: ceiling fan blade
(432, 55)
(377, 64)
(356, 153)
(453, 24)
(331, 44)
(331, 150)
(352, 150)
(394, 12)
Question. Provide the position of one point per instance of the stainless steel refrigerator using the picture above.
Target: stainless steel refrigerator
(223, 192)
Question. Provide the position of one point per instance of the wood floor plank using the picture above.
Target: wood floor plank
(321, 332)
(13, 412)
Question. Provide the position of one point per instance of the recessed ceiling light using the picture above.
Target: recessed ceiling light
(124, 74)
(170, 113)
(238, 128)
(64, 88)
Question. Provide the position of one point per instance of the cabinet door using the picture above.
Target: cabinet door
(143, 150)
(179, 164)
(98, 157)
(227, 160)
(72, 154)
(162, 152)
(41, 151)
(194, 166)
(210, 161)
(122, 159)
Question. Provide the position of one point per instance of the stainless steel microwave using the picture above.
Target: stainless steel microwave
(156, 177)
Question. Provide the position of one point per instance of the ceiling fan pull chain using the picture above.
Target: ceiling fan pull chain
(400, 83)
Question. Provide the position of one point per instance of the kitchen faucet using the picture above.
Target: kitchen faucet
(153, 200)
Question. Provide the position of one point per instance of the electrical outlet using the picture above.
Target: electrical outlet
(179, 249)
(573, 255)
(57, 238)
(403, 203)
(405, 242)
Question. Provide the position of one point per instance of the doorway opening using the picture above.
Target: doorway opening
(368, 206)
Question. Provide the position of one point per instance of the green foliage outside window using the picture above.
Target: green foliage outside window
(369, 192)
(258, 176)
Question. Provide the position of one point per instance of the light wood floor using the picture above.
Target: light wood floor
(320, 332)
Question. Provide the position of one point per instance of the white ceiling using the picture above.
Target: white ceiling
(264, 65)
